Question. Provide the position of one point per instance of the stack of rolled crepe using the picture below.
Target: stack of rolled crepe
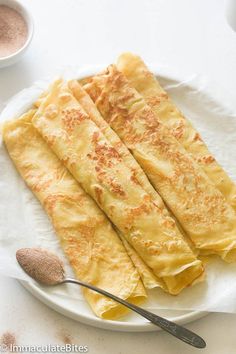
(91, 245)
(99, 168)
(89, 154)
(203, 208)
(152, 249)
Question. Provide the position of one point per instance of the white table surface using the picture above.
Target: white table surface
(187, 36)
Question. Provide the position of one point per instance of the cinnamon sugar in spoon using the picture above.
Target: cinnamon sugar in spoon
(46, 268)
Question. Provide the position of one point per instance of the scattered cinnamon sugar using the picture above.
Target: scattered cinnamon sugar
(8, 339)
(65, 337)
(13, 31)
(41, 265)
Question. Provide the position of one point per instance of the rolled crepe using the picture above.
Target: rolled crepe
(90, 108)
(147, 85)
(100, 170)
(199, 206)
(91, 245)
(149, 279)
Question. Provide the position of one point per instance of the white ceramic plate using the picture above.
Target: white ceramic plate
(79, 309)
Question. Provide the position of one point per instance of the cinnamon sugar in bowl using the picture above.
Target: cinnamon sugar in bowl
(16, 31)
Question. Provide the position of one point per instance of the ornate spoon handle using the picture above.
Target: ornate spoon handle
(173, 328)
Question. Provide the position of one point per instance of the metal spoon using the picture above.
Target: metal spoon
(46, 268)
(173, 328)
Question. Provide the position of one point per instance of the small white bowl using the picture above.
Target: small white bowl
(14, 57)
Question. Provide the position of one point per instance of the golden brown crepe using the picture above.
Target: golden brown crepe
(91, 245)
(200, 207)
(90, 108)
(149, 279)
(101, 171)
(147, 85)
